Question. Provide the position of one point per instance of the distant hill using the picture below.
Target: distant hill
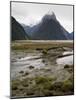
(48, 29)
(17, 31)
(71, 35)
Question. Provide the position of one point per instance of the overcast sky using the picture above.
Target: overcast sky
(30, 13)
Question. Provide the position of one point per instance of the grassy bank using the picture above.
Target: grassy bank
(45, 45)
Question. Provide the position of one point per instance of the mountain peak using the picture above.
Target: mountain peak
(49, 15)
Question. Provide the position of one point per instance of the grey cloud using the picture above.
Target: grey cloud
(24, 10)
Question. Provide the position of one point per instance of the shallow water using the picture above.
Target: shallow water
(67, 52)
(22, 63)
(66, 60)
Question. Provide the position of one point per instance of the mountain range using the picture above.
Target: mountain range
(48, 28)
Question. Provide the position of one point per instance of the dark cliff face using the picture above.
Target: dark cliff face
(17, 31)
(50, 29)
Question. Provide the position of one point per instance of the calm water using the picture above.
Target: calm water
(24, 63)
(66, 59)
(35, 59)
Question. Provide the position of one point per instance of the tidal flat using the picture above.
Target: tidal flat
(42, 68)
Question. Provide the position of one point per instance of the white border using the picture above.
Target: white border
(5, 48)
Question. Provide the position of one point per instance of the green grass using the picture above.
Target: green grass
(15, 84)
(41, 86)
(43, 79)
(17, 45)
(67, 86)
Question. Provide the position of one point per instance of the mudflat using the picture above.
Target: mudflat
(41, 68)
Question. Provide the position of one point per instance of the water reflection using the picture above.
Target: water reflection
(66, 60)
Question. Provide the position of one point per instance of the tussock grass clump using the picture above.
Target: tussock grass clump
(31, 67)
(25, 82)
(43, 61)
(66, 66)
(14, 87)
(21, 72)
(56, 86)
(48, 93)
(42, 86)
(45, 51)
(43, 79)
(44, 82)
(19, 47)
(15, 84)
(30, 92)
(67, 86)
(69, 68)
(25, 74)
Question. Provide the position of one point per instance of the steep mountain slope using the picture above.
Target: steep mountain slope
(50, 29)
(17, 31)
